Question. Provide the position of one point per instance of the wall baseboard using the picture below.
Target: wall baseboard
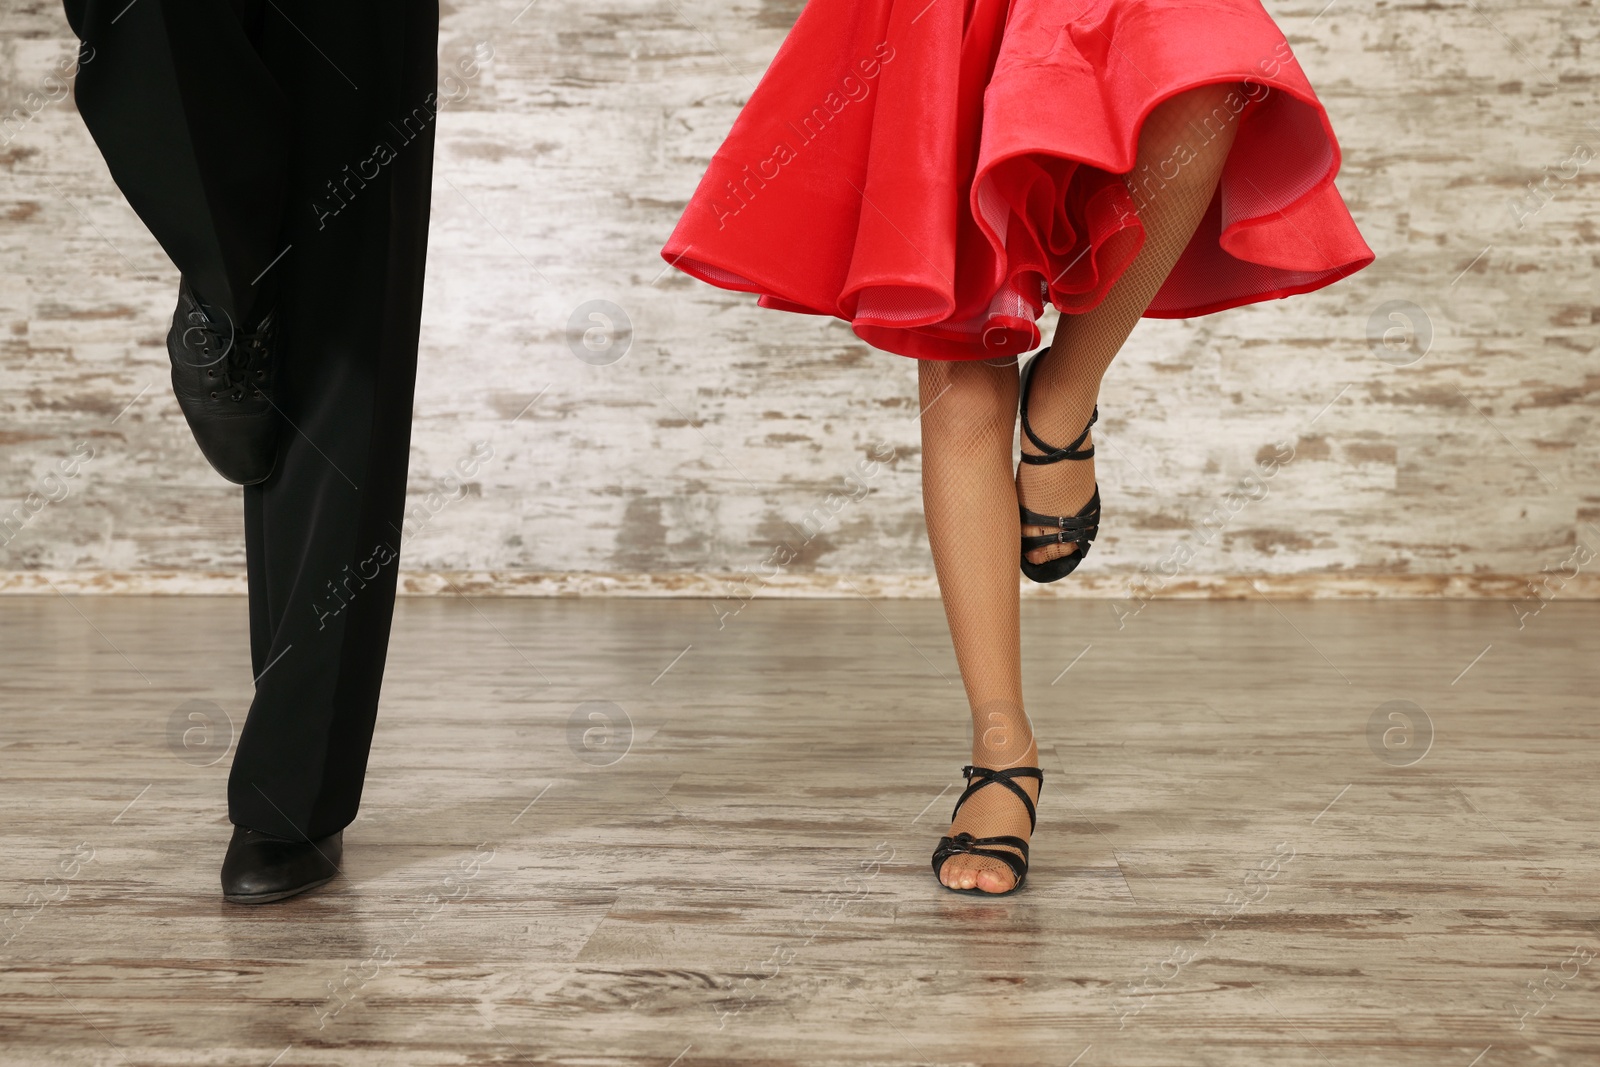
(733, 587)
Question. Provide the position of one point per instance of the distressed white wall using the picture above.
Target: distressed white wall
(564, 169)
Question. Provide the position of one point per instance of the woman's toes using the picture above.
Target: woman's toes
(995, 881)
(957, 875)
(1050, 552)
(950, 874)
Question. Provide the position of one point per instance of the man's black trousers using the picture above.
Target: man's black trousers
(282, 152)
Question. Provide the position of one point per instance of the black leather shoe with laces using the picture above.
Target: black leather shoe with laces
(261, 868)
(224, 378)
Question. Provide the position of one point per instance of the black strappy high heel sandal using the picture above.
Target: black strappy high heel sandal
(965, 844)
(1079, 529)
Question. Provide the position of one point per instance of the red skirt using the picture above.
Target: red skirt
(932, 171)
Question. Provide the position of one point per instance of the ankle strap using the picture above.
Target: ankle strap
(1056, 455)
(986, 776)
(1051, 453)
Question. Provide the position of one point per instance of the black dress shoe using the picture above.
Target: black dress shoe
(225, 378)
(261, 868)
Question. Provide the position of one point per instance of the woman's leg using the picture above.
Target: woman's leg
(969, 413)
(1067, 384)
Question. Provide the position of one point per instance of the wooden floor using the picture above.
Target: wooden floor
(1302, 833)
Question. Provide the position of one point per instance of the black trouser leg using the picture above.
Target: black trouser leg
(307, 131)
(194, 130)
(322, 534)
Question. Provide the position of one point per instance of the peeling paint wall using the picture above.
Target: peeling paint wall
(723, 426)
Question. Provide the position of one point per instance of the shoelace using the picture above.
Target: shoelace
(244, 362)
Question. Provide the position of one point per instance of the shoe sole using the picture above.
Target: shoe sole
(253, 481)
(985, 892)
(268, 898)
(1044, 573)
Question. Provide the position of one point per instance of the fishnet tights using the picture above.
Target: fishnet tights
(1067, 384)
(968, 488)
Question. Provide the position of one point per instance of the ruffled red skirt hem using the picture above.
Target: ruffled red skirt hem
(933, 171)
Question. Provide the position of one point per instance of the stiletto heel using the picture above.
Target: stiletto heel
(1079, 529)
(965, 844)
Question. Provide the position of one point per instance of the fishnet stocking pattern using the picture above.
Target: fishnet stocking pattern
(969, 490)
(1067, 384)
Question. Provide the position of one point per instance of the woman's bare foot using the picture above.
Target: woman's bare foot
(990, 812)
